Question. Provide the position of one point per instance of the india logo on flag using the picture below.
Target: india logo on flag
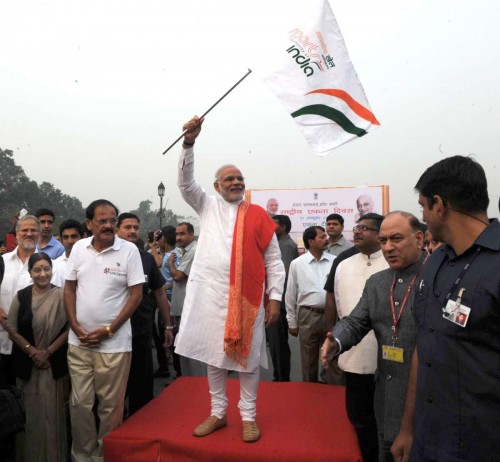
(315, 80)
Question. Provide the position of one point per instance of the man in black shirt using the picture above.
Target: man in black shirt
(140, 382)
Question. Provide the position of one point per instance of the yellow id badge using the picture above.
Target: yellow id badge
(392, 353)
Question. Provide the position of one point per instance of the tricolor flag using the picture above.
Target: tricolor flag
(316, 82)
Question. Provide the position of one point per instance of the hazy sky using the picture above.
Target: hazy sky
(91, 93)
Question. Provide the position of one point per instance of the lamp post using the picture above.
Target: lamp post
(161, 193)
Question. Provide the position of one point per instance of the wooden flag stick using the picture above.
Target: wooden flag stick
(215, 104)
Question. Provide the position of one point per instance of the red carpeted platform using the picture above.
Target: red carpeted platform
(299, 422)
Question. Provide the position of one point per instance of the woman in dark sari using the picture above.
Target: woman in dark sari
(38, 328)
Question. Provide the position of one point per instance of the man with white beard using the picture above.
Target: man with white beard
(16, 277)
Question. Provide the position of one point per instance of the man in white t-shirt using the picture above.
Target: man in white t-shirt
(103, 288)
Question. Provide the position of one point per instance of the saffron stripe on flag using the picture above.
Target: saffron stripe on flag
(358, 108)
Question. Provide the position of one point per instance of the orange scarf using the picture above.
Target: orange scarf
(253, 232)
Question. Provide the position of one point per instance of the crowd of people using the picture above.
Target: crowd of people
(77, 317)
(406, 316)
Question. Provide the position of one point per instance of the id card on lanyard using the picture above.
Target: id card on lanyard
(392, 352)
(454, 311)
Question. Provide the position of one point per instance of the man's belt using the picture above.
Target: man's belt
(313, 309)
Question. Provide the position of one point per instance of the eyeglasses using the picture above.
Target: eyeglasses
(103, 221)
(363, 228)
(230, 179)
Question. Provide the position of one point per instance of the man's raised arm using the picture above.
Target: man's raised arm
(191, 191)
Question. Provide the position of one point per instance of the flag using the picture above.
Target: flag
(315, 80)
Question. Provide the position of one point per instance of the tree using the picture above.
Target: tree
(17, 191)
(150, 220)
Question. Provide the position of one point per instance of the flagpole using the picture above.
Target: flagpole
(215, 104)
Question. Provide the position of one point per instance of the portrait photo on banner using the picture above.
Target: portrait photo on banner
(311, 207)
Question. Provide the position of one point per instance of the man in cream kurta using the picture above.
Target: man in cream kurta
(360, 362)
(201, 333)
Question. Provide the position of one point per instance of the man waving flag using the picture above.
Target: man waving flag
(317, 83)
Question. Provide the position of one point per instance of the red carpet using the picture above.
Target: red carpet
(299, 422)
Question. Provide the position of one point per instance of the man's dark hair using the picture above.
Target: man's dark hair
(88, 233)
(125, 216)
(375, 218)
(41, 212)
(139, 243)
(311, 233)
(189, 226)
(89, 213)
(70, 223)
(283, 220)
(335, 216)
(459, 181)
(168, 233)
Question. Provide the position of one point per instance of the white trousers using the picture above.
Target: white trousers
(249, 384)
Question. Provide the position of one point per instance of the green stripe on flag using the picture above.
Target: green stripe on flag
(333, 114)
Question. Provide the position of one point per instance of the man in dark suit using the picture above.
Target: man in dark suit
(386, 307)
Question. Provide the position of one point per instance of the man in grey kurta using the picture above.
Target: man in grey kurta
(401, 242)
(186, 243)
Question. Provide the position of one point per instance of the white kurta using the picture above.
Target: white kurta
(350, 279)
(201, 333)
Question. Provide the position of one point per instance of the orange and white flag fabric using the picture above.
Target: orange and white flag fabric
(315, 80)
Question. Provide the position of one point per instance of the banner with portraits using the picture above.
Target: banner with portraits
(310, 207)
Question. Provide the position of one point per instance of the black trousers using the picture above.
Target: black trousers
(7, 379)
(359, 396)
(140, 380)
(6, 375)
(159, 341)
(277, 336)
(176, 359)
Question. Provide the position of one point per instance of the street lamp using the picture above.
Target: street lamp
(161, 193)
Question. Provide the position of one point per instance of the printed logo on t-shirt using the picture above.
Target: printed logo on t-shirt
(114, 271)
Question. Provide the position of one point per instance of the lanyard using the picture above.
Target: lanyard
(461, 275)
(396, 319)
(458, 279)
